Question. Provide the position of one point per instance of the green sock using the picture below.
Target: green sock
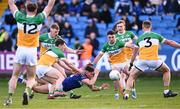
(71, 93)
(10, 95)
(127, 91)
(166, 87)
(28, 90)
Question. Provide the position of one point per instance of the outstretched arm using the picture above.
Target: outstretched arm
(49, 7)
(104, 86)
(12, 6)
(70, 50)
(70, 65)
(92, 81)
(171, 43)
(98, 57)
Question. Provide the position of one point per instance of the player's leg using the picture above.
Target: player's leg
(116, 89)
(13, 83)
(55, 78)
(30, 55)
(41, 89)
(127, 72)
(132, 77)
(60, 69)
(166, 79)
(29, 83)
(116, 83)
(122, 82)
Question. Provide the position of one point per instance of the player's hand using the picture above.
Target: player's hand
(105, 86)
(79, 51)
(130, 66)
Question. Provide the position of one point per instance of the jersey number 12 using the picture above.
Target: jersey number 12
(30, 28)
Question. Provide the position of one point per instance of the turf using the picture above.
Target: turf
(149, 92)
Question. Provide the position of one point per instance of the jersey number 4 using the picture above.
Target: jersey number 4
(30, 28)
(148, 42)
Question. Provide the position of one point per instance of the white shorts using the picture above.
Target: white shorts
(145, 65)
(120, 65)
(41, 70)
(26, 56)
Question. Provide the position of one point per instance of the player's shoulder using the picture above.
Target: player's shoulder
(129, 32)
(106, 44)
(43, 37)
(20, 15)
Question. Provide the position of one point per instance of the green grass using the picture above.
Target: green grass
(149, 92)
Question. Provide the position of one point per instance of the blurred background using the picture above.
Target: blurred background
(79, 19)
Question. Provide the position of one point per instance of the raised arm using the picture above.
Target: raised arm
(98, 57)
(171, 43)
(12, 6)
(49, 7)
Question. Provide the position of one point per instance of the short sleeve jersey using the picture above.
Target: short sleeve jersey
(47, 42)
(51, 57)
(73, 82)
(28, 28)
(115, 52)
(128, 35)
(148, 43)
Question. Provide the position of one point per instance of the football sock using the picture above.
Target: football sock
(166, 89)
(28, 90)
(127, 91)
(133, 89)
(10, 95)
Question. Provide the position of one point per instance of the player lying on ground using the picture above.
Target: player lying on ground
(117, 57)
(46, 72)
(88, 76)
(148, 44)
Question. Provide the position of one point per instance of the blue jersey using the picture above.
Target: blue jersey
(73, 82)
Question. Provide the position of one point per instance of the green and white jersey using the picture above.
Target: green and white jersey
(115, 51)
(51, 56)
(148, 43)
(125, 37)
(47, 42)
(28, 28)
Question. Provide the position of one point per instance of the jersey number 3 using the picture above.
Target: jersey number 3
(30, 28)
(148, 42)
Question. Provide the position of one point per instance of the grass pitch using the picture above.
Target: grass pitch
(149, 92)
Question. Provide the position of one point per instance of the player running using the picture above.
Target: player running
(29, 25)
(88, 77)
(117, 57)
(148, 44)
(125, 36)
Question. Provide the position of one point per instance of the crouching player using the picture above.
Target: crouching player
(88, 77)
